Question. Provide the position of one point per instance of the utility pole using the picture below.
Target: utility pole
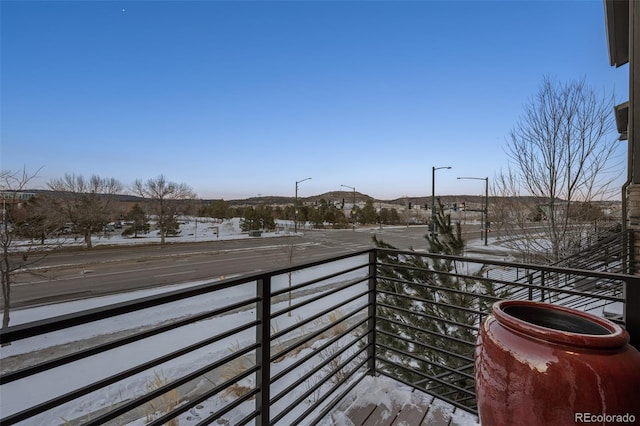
(295, 207)
(353, 214)
(485, 210)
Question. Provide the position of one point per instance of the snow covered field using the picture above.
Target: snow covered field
(191, 229)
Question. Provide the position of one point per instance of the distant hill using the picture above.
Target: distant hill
(117, 197)
(347, 196)
(337, 197)
(333, 196)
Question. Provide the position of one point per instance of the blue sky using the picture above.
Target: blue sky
(244, 98)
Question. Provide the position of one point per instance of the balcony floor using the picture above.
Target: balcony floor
(382, 401)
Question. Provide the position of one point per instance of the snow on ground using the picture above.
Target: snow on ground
(192, 229)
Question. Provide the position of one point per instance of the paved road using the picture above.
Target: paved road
(74, 274)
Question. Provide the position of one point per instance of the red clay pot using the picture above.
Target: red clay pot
(542, 364)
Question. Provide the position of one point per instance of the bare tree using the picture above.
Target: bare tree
(167, 199)
(561, 153)
(11, 186)
(86, 203)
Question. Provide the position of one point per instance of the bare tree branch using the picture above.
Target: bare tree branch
(561, 153)
(87, 204)
(12, 183)
(167, 199)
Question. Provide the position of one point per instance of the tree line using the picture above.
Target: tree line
(319, 215)
(86, 205)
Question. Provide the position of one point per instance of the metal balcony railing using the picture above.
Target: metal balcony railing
(279, 347)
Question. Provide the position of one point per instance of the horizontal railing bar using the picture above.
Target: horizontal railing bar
(448, 393)
(546, 268)
(317, 385)
(472, 311)
(150, 395)
(611, 241)
(433, 302)
(70, 396)
(436, 287)
(225, 410)
(426, 383)
(433, 333)
(324, 397)
(450, 401)
(57, 362)
(318, 315)
(310, 355)
(36, 328)
(321, 261)
(248, 418)
(336, 400)
(452, 386)
(432, 317)
(183, 407)
(439, 350)
(515, 285)
(562, 296)
(586, 305)
(433, 273)
(316, 334)
(316, 369)
(523, 287)
(431, 377)
(597, 297)
(318, 297)
(318, 280)
(456, 370)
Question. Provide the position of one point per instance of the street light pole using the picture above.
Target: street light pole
(353, 216)
(485, 225)
(295, 207)
(433, 198)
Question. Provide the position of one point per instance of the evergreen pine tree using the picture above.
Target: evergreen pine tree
(434, 310)
(138, 217)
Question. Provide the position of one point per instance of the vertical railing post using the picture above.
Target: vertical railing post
(371, 324)
(632, 294)
(632, 310)
(263, 353)
(631, 269)
(542, 285)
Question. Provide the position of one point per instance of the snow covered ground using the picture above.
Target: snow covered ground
(191, 229)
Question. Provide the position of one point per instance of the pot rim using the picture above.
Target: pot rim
(617, 337)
